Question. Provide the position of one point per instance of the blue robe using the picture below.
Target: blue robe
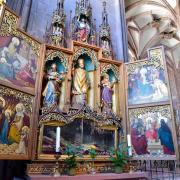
(165, 136)
(4, 133)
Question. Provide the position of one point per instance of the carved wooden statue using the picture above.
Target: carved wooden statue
(106, 94)
(80, 84)
(53, 88)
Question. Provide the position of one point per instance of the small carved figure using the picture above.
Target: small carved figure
(106, 94)
(83, 30)
(53, 88)
(57, 36)
(106, 48)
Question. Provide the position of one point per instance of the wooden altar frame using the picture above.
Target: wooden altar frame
(14, 20)
(69, 53)
(36, 92)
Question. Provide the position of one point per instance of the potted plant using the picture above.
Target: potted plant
(119, 157)
(71, 161)
(93, 154)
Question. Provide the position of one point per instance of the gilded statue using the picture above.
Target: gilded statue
(53, 88)
(81, 84)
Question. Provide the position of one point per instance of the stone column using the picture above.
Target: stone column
(123, 30)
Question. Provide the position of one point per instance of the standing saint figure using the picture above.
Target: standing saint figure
(83, 30)
(52, 90)
(106, 93)
(166, 138)
(80, 84)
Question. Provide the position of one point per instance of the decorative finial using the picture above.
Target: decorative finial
(104, 4)
(57, 29)
(104, 35)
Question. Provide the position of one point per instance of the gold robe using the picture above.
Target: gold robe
(80, 86)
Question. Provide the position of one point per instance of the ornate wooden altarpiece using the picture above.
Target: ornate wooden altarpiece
(79, 89)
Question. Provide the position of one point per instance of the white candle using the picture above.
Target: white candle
(130, 151)
(58, 134)
(129, 140)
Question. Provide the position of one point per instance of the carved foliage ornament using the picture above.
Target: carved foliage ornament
(113, 68)
(8, 27)
(156, 54)
(27, 100)
(61, 56)
(90, 53)
(84, 112)
(164, 110)
(53, 117)
(83, 8)
(153, 62)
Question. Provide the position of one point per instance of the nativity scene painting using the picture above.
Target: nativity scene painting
(18, 62)
(146, 83)
(151, 131)
(15, 122)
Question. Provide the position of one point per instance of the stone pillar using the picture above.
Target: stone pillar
(124, 30)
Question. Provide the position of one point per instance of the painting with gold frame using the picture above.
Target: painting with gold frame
(146, 82)
(19, 55)
(152, 132)
(80, 132)
(15, 124)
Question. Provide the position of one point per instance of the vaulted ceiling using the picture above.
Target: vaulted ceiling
(151, 23)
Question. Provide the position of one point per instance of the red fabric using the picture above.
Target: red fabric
(4, 41)
(83, 34)
(167, 151)
(26, 75)
(151, 134)
(139, 142)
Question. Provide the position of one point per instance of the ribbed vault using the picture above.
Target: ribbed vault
(151, 23)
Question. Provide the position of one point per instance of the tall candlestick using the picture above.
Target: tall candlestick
(58, 134)
(129, 140)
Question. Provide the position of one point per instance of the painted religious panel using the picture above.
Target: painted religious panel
(18, 62)
(18, 55)
(147, 82)
(15, 123)
(152, 131)
(82, 133)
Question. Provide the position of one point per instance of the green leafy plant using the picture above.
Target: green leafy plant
(119, 156)
(71, 161)
(92, 153)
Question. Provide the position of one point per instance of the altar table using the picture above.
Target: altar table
(107, 176)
